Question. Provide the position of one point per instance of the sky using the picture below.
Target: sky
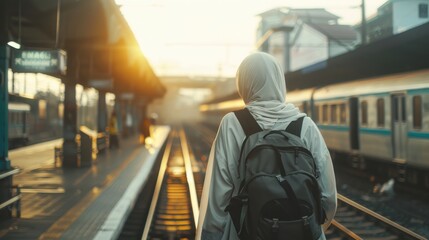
(211, 37)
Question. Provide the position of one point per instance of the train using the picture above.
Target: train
(378, 124)
(18, 124)
(39, 118)
(33, 119)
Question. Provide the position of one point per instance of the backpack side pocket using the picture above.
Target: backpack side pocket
(237, 209)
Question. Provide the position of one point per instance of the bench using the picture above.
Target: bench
(90, 144)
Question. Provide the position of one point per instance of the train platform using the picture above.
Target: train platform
(81, 203)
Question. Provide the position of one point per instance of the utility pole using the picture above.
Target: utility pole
(363, 25)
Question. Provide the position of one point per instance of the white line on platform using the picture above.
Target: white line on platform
(112, 226)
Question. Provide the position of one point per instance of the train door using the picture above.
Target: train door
(354, 123)
(399, 126)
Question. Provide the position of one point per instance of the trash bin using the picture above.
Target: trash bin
(86, 146)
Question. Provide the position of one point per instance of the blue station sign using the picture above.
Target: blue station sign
(39, 61)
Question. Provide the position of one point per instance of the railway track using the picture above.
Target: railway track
(354, 221)
(200, 140)
(174, 209)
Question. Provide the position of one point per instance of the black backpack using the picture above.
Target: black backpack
(279, 197)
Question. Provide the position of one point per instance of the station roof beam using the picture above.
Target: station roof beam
(98, 41)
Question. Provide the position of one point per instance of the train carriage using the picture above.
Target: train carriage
(387, 120)
(390, 113)
(18, 123)
(381, 123)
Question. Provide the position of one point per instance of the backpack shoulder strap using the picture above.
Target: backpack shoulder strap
(295, 127)
(247, 122)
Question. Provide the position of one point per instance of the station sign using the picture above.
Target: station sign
(39, 61)
(101, 84)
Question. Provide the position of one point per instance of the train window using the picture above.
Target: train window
(380, 112)
(417, 112)
(18, 118)
(395, 110)
(343, 114)
(334, 114)
(42, 109)
(423, 10)
(23, 119)
(325, 113)
(15, 118)
(10, 115)
(364, 112)
(61, 110)
(316, 113)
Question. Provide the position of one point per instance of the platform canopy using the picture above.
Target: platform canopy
(407, 51)
(99, 43)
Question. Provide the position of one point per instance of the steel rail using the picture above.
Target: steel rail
(345, 230)
(190, 177)
(382, 219)
(158, 186)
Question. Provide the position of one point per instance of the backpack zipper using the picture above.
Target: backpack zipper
(254, 177)
(278, 177)
(295, 149)
(275, 226)
(290, 149)
(305, 219)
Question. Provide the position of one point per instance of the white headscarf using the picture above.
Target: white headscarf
(261, 84)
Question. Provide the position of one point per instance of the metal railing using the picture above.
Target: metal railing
(15, 201)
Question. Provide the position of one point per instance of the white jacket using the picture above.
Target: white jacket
(262, 86)
(221, 176)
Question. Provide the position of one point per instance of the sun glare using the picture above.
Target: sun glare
(190, 38)
(205, 37)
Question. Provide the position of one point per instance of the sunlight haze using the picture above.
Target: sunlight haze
(210, 38)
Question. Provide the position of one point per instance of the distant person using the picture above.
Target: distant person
(144, 129)
(153, 121)
(261, 85)
(113, 131)
(128, 124)
(153, 118)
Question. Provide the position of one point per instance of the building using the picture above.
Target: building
(301, 37)
(396, 16)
